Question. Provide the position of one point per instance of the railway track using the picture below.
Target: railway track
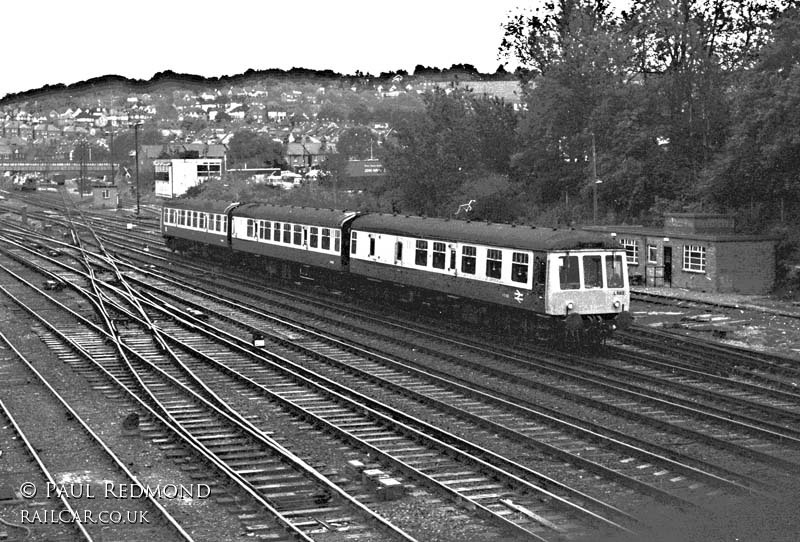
(530, 441)
(516, 502)
(765, 428)
(68, 493)
(179, 413)
(660, 382)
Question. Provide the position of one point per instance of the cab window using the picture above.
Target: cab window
(568, 273)
(593, 271)
(614, 272)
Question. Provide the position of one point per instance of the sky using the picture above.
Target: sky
(53, 41)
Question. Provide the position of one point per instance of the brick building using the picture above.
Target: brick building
(697, 251)
(106, 196)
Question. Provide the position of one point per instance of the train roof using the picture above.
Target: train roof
(206, 205)
(326, 218)
(483, 233)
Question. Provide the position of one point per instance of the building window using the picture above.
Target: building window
(314, 242)
(652, 254)
(631, 250)
(106, 194)
(694, 258)
(438, 255)
(421, 257)
(494, 263)
(468, 260)
(519, 267)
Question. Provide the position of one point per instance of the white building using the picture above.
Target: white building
(175, 176)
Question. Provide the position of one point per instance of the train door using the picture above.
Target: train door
(452, 268)
(667, 265)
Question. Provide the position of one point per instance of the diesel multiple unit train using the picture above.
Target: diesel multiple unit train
(572, 280)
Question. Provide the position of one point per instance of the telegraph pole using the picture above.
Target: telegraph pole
(595, 182)
(136, 144)
(110, 133)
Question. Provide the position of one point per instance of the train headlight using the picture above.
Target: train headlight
(570, 305)
(616, 304)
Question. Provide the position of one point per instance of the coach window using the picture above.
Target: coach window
(276, 232)
(225, 224)
(287, 233)
(614, 272)
(398, 251)
(337, 240)
(468, 255)
(250, 228)
(326, 239)
(371, 246)
(314, 237)
(438, 255)
(568, 273)
(264, 229)
(519, 267)
(194, 218)
(422, 253)
(593, 271)
(494, 263)
(298, 235)
(203, 221)
(353, 242)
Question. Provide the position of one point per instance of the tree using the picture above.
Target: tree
(438, 151)
(255, 150)
(650, 87)
(761, 158)
(357, 142)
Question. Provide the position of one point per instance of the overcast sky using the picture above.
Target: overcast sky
(57, 41)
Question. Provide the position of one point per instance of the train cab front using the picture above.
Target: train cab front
(589, 291)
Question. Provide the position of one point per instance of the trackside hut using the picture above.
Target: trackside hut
(697, 251)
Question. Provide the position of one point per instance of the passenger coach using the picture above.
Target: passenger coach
(541, 270)
(191, 223)
(299, 236)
